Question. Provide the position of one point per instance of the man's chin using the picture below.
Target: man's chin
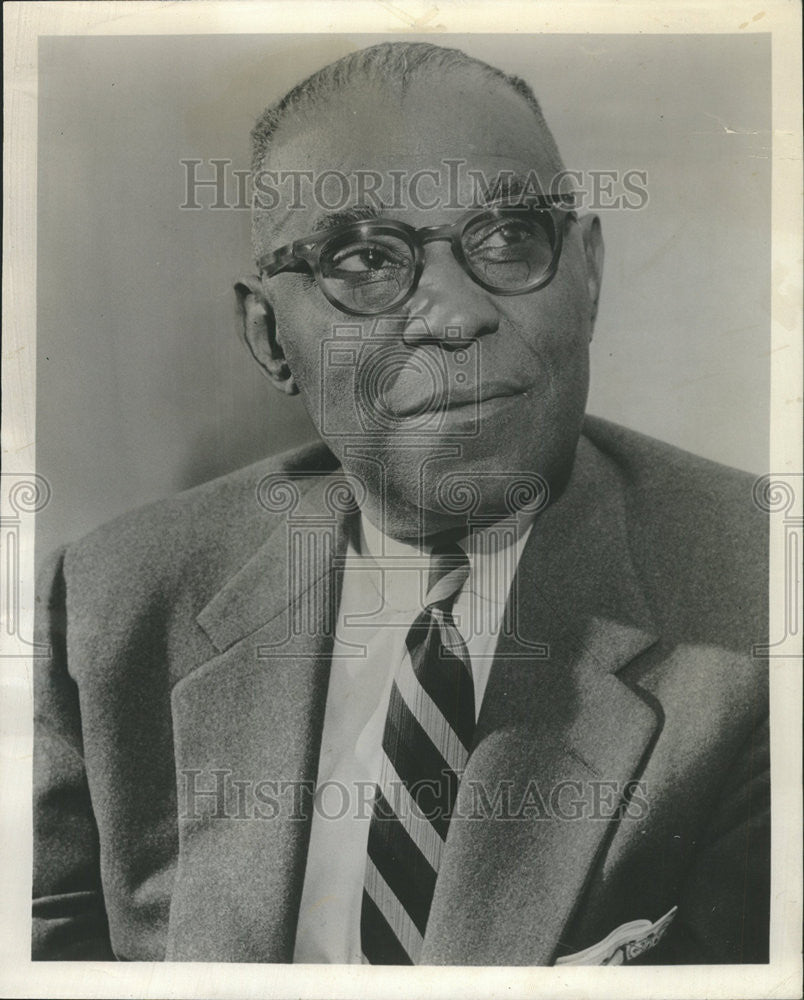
(419, 487)
(449, 496)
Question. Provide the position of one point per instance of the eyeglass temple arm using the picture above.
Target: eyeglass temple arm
(284, 259)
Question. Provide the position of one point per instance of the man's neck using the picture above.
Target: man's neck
(474, 537)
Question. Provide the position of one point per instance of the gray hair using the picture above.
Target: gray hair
(390, 63)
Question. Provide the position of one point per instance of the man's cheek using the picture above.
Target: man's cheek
(301, 339)
(328, 389)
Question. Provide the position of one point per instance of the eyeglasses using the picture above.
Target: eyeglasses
(373, 266)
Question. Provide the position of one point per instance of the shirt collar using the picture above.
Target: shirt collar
(493, 551)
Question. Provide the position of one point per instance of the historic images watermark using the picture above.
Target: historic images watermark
(217, 184)
(312, 555)
(395, 389)
(220, 794)
(780, 496)
(23, 497)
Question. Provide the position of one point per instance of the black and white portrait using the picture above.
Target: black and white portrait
(403, 407)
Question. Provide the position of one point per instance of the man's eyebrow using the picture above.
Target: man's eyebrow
(506, 186)
(346, 216)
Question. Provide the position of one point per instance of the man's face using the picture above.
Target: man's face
(459, 381)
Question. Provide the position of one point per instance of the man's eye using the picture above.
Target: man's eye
(503, 234)
(367, 259)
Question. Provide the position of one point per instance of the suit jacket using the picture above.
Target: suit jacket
(622, 744)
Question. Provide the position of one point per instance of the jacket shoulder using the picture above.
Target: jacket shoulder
(651, 462)
(698, 539)
(204, 533)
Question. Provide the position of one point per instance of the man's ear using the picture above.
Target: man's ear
(593, 255)
(259, 332)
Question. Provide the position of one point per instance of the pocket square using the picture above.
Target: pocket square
(624, 943)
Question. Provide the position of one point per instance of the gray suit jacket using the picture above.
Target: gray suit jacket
(622, 744)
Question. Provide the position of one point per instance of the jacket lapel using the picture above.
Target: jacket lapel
(556, 738)
(247, 728)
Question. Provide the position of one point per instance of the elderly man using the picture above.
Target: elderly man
(468, 682)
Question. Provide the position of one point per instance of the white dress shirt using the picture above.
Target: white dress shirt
(384, 586)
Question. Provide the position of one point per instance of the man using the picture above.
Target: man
(468, 682)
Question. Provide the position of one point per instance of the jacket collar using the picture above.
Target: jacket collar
(315, 513)
(576, 566)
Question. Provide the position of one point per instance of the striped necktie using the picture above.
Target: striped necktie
(426, 742)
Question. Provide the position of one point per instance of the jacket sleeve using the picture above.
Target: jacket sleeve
(724, 909)
(69, 919)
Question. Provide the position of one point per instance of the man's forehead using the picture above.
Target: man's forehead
(405, 151)
(379, 128)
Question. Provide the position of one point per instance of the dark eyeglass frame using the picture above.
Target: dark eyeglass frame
(305, 254)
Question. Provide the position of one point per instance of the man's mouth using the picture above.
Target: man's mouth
(458, 397)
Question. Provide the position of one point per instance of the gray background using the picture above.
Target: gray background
(143, 386)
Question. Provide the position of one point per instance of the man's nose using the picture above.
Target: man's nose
(452, 305)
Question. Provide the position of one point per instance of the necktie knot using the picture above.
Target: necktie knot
(449, 571)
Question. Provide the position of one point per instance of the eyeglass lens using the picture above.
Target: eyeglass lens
(369, 272)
